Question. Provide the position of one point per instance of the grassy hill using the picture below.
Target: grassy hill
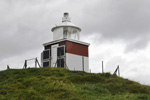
(62, 84)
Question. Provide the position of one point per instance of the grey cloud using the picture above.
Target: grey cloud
(137, 43)
(114, 62)
(118, 18)
(23, 28)
(112, 19)
(125, 19)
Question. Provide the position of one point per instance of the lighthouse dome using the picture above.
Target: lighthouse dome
(66, 29)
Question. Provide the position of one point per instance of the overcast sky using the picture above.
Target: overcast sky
(118, 31)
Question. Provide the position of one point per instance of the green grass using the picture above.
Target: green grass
(62, 84)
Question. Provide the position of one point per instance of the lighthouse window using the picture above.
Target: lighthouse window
(46, 54)
(71, 32)
(66, 32)
(65, 29)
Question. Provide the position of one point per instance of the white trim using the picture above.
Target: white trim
(61, 40)
(65, 26)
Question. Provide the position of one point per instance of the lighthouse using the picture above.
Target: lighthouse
(66, 50)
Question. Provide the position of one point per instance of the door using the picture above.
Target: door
(53, 55)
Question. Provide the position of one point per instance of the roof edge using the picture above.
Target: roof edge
(61, 40)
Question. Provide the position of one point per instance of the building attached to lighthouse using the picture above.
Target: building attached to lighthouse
(66, 50)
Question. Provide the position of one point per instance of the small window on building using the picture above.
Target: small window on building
(60, 56)
(61, 51)
(46, 64)
(46, 54)
(60, 63)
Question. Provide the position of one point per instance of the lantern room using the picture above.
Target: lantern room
(66, 29)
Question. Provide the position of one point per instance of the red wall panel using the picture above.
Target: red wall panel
(76, 48)
(73, 48)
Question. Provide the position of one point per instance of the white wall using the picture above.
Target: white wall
(58, 33)
(76, 62)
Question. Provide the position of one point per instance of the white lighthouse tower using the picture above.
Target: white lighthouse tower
(66, 50)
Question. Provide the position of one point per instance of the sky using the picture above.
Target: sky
(118, 32)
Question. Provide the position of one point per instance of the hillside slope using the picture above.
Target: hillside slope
(62, 84)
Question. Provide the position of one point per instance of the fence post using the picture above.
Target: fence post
(8, 67)
(118, 71)
(35, 63)
(102, 67)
